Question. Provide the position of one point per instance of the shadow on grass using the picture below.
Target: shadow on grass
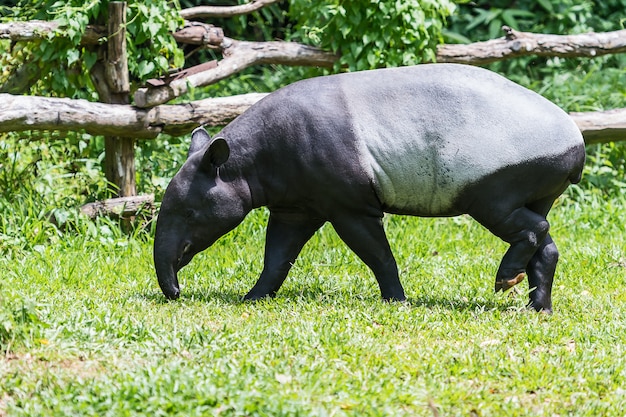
(325, 297)
(463, 304)
(226, 297)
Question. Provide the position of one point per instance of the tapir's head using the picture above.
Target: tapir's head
(199, 206)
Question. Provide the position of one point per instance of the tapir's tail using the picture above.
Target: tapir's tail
(576, 177)
(578, 163)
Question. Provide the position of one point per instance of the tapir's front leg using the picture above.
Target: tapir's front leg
(285, 237)
(366, 236)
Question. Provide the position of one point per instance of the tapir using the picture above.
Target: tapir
(426, 140)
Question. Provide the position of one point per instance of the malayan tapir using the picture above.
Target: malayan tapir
(426, 140)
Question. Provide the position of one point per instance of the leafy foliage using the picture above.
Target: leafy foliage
(482, 19)
(373, 33)
(42, 182)
(63, 63)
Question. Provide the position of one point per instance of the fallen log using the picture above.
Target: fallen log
(513, 44)
(516, 44)
(125, 208)
(241, 54)
(21, 113)
(238, 55)
(180, 119)
(602, 126)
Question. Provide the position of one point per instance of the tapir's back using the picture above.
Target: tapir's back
(427, 132)
(422, 136)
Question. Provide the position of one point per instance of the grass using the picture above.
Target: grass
(90, 333)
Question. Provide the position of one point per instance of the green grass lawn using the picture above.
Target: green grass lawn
(86, 330)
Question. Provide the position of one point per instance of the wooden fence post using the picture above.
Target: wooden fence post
(119, 151)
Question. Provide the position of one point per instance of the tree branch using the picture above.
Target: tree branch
(195, 33)
(39, 29)
(204, 12)
(239, 55)
(515, 44)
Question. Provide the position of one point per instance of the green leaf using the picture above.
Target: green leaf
(547, 5)
(162, 63)
(454, 37)
(145, 68)
(152, 27)
(372, 60)
(73, 55)
(89, 58)
(510, 16)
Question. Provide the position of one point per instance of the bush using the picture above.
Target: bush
(373, 33)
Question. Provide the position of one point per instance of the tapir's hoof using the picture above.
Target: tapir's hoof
(547, 311)
(258, 295)
(252, 298)
(394, 298)
(506, 284)
(540, 308)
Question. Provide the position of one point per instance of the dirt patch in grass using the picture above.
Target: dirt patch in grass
(78, 366)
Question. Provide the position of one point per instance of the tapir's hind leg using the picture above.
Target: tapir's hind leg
(540, 272)
(525, 230)
(285, 237)
(542, 265)
(365, 235)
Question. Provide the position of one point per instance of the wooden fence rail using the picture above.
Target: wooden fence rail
(22, 113)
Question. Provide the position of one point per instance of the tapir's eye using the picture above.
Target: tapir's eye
(186, 248)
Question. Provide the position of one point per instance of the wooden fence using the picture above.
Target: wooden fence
(114, 116)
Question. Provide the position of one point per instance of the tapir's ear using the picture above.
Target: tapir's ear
(199, 139)
(217, 154)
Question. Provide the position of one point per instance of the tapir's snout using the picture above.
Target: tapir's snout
(168, 279)
(171, 293)
(166, 262)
